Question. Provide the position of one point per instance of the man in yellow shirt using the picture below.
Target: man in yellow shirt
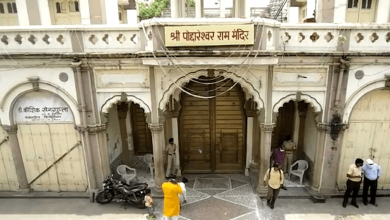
(354, 175)
(275, 178)
(171, 199)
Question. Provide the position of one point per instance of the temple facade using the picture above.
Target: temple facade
(87, 98)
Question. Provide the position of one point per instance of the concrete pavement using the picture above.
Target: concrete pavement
(285, 209)
(209, 196)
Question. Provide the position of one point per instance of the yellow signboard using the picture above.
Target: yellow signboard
(176, 36)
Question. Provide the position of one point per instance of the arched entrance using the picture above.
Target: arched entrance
(52, 153)
(368, 136)
(297, 119)
(212, 131)
(128, 135)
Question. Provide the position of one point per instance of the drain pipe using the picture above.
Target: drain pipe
(344, 65)
(76, 63)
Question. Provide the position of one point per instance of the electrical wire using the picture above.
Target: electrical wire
(205, 97)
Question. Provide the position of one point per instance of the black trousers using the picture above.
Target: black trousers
(272, 195)
(352, 187)
(373, 185)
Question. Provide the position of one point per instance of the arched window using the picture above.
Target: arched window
(71, 6)
(12, 8)
(1, 8)
(76, 6)
(15, 10)
(58, 8)
(9, 7)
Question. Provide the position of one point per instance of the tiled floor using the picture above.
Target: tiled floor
(219, 196)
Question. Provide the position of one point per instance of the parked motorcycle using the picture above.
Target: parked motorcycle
(133, 193)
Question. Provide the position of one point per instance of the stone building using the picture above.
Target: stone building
(94, 96)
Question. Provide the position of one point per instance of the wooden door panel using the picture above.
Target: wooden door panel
(284, 124)
(141, 132)
(367, 136)
(8, 177)
(218, 122)
(41, 145)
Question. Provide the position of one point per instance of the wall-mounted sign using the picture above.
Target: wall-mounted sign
(42, 107)
(209, 35)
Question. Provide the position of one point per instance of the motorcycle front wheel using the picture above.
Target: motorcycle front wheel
(104, 197)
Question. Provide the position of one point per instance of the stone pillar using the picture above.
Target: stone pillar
(302, 109)
(322, 129)
(382, 14)
(266, 134)
(174, 8)
(44, 12)
(122, 115)
(17, 157)
(175, 132)
(222, 8)
(157, 135)
(265, 154)
(22, 12)
(84, 12)
(198, 8)
(340, 10)
(112, 10)
(247, 9)
(182, 8)
(249, 144)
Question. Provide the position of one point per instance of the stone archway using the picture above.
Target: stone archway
(247, 87)
(128, 135)
(297, 116)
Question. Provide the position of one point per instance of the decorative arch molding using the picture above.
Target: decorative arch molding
(118, 99)
(175, 92)
(293, 97)
(358, 94)
(11, 97)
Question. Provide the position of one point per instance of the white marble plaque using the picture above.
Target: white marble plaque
(42, 107)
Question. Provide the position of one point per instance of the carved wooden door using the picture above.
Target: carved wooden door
(142, 138)
(212, 131)
(284, 124)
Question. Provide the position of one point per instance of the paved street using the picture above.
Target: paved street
(210, 197)
(286, 209)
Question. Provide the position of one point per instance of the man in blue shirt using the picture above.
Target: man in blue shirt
(372, 173)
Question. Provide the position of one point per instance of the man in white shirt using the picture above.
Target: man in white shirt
(183, 196)
(275, 178)
(372, 172)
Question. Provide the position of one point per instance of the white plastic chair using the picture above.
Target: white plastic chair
(302, 167)
(148, 159)
(122, 170)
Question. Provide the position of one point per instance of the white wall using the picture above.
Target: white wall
(293, 15)
(114, 143)
(310, 139)
(9, 79)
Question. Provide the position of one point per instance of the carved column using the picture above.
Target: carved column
(302, 108)
(222, 8)
(17, 157)
(265, 154)
(249, 139)
(159, 175)
(157, 135)
(122, 114)
(322, 129)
